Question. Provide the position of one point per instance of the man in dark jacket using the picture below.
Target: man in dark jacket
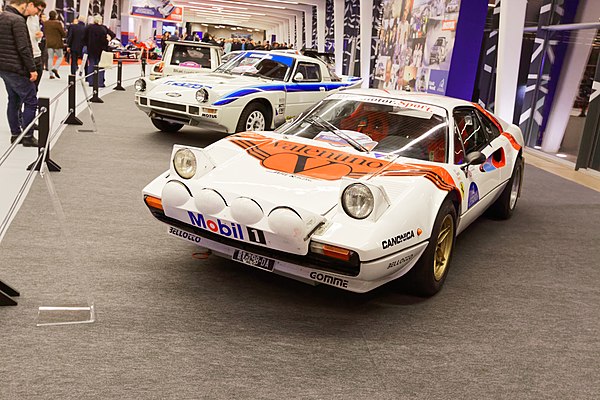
(17, 67)
(75, 44)
(96, 41)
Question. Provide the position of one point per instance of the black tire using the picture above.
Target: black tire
(169, 127)
(251, 112)
(429, 274)
(505, 205)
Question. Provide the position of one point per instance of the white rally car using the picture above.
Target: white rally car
(257, 90)
(366, 187)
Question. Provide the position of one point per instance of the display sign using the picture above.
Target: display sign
(156, 9)
(415, 44)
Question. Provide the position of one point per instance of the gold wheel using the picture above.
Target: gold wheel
(443, 248)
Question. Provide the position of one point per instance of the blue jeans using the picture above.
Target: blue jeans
(21, 91)
(92, 62)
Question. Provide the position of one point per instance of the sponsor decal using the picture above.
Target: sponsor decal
(184, 235)
(462, 188)
(391, 242)
(401, 261)
(227, 229)
(206, 115)
(330, 164)
(473, 194)
(392, 102)
(329, 279)
(188, 85)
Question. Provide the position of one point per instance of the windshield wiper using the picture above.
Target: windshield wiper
(323, 124)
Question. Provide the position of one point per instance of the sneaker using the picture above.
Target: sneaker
(51, 76)
(55, 72)
(13, 138)
(29, 141)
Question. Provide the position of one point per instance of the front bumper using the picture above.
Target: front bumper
(309, 268)
(222, 118)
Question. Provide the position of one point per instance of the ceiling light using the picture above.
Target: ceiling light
(247, 4)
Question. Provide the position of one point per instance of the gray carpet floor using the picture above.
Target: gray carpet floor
(518, 318)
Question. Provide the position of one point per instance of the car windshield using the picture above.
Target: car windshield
(272, 66)
(191, 56)
(379, 125)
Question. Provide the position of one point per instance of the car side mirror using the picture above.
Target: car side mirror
(473, 158)
(298, 77)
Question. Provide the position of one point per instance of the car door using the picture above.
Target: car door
(482, 182)
(304, 92)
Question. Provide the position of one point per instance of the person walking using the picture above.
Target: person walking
(75, 37)
(55, 33)
(95, 39)
(17, 67)
(36, 35)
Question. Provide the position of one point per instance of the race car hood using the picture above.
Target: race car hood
(301, 173)
(274, 174)
(217, 85)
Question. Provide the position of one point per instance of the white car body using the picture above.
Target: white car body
(173, 99)
(185, 57)
(266, 198)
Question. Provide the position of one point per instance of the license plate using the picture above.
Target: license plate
(254, 260)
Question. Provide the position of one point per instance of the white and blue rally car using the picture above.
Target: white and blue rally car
(255, 91)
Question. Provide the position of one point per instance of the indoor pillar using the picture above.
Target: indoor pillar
(308, 28)
(510, 37)
(321, 27)
(338, 34)
(366, 28)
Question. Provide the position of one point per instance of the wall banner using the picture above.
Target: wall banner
(415, 43)
(157, 9)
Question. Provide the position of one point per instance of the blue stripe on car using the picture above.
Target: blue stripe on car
(290, 88)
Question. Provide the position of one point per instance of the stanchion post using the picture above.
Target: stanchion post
(72, 118)
(143, 64)
(95, 80)
(44, 130)
(119, 76)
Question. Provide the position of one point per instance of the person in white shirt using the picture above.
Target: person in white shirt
(35, 35)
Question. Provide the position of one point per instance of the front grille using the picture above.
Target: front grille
(194, 110)
(169, 106)
(315, 261)
(144, 101)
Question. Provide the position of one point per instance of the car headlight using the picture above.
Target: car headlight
(202, 95)
(140, 85)
(185, 163)
(358, 201)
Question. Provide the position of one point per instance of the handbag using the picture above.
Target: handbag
(106, 60)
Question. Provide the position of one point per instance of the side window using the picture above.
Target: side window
(488, 126)
(468, 130)
(310, 72)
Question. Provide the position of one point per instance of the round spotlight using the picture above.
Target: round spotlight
(358, 201)
(286, 222)
(140, 85)
(202, 96)
(174, 194)
(209, 202)
(185, 163)
(246, 211)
